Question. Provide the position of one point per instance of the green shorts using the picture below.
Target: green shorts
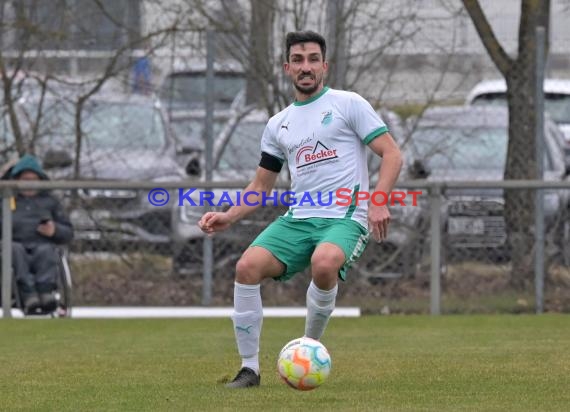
(293, 241)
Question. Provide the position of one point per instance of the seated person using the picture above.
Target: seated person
(38, 225)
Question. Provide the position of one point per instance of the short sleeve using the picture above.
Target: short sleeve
(364, 120)
(269, 143)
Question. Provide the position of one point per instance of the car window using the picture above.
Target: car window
(556, 104)
(121, 125)
(453, 148)
(243, 149)
(189, 89)
(190, 132)
(490, 99)
(105, 125)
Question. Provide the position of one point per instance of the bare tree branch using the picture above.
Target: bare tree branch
(494, 48)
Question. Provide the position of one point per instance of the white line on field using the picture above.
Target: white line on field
(131, 312)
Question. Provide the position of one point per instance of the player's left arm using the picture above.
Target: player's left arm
(386, 147)
(379, 216)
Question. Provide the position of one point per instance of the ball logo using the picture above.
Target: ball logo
(308, 155)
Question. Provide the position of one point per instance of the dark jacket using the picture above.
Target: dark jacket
(29, 211)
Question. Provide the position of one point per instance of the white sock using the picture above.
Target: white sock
(247, 319)
(320, 305)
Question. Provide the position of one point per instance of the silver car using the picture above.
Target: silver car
(556, 102)
(470, 143)
(124, 138)
(237, 149)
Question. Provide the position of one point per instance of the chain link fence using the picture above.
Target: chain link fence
(475, 274)
(123, 100)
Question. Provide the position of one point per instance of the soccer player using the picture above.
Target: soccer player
(323, 137)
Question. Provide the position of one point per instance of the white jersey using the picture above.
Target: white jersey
(324, 140)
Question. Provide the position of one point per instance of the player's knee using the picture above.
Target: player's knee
(326, 264)
(247, 271)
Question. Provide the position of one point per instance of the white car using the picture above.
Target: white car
(556, 101)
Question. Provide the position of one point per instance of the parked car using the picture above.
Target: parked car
(189, 128)
(470, 143)
(187, 115)
(185, 89)
(556, 102)
(237, 150)
(125, 137)
(397, 255)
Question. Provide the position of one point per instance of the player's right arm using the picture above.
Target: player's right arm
(263, 181)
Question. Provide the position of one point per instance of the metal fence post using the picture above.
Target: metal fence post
(435, 250)
(539, 205)
(6, 253)
(208, 252)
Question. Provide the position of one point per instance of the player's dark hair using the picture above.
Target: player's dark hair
(306, 36)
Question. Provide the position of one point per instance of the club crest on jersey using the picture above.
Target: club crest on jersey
(326, 117)
(308, 155)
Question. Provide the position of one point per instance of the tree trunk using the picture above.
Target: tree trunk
(521, 164)
(521, 157)
(260, 51)
(520, 75)
(337, 47)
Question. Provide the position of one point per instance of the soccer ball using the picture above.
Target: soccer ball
(304, 363)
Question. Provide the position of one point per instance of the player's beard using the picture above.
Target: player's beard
(308, 90)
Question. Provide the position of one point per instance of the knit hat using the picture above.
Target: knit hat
(28, 163)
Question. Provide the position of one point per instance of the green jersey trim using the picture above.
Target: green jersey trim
(376, 133)
(352, 207)
(312, 99)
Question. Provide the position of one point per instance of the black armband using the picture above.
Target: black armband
(270, 162)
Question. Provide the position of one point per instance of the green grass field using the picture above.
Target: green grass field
(395, 363)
